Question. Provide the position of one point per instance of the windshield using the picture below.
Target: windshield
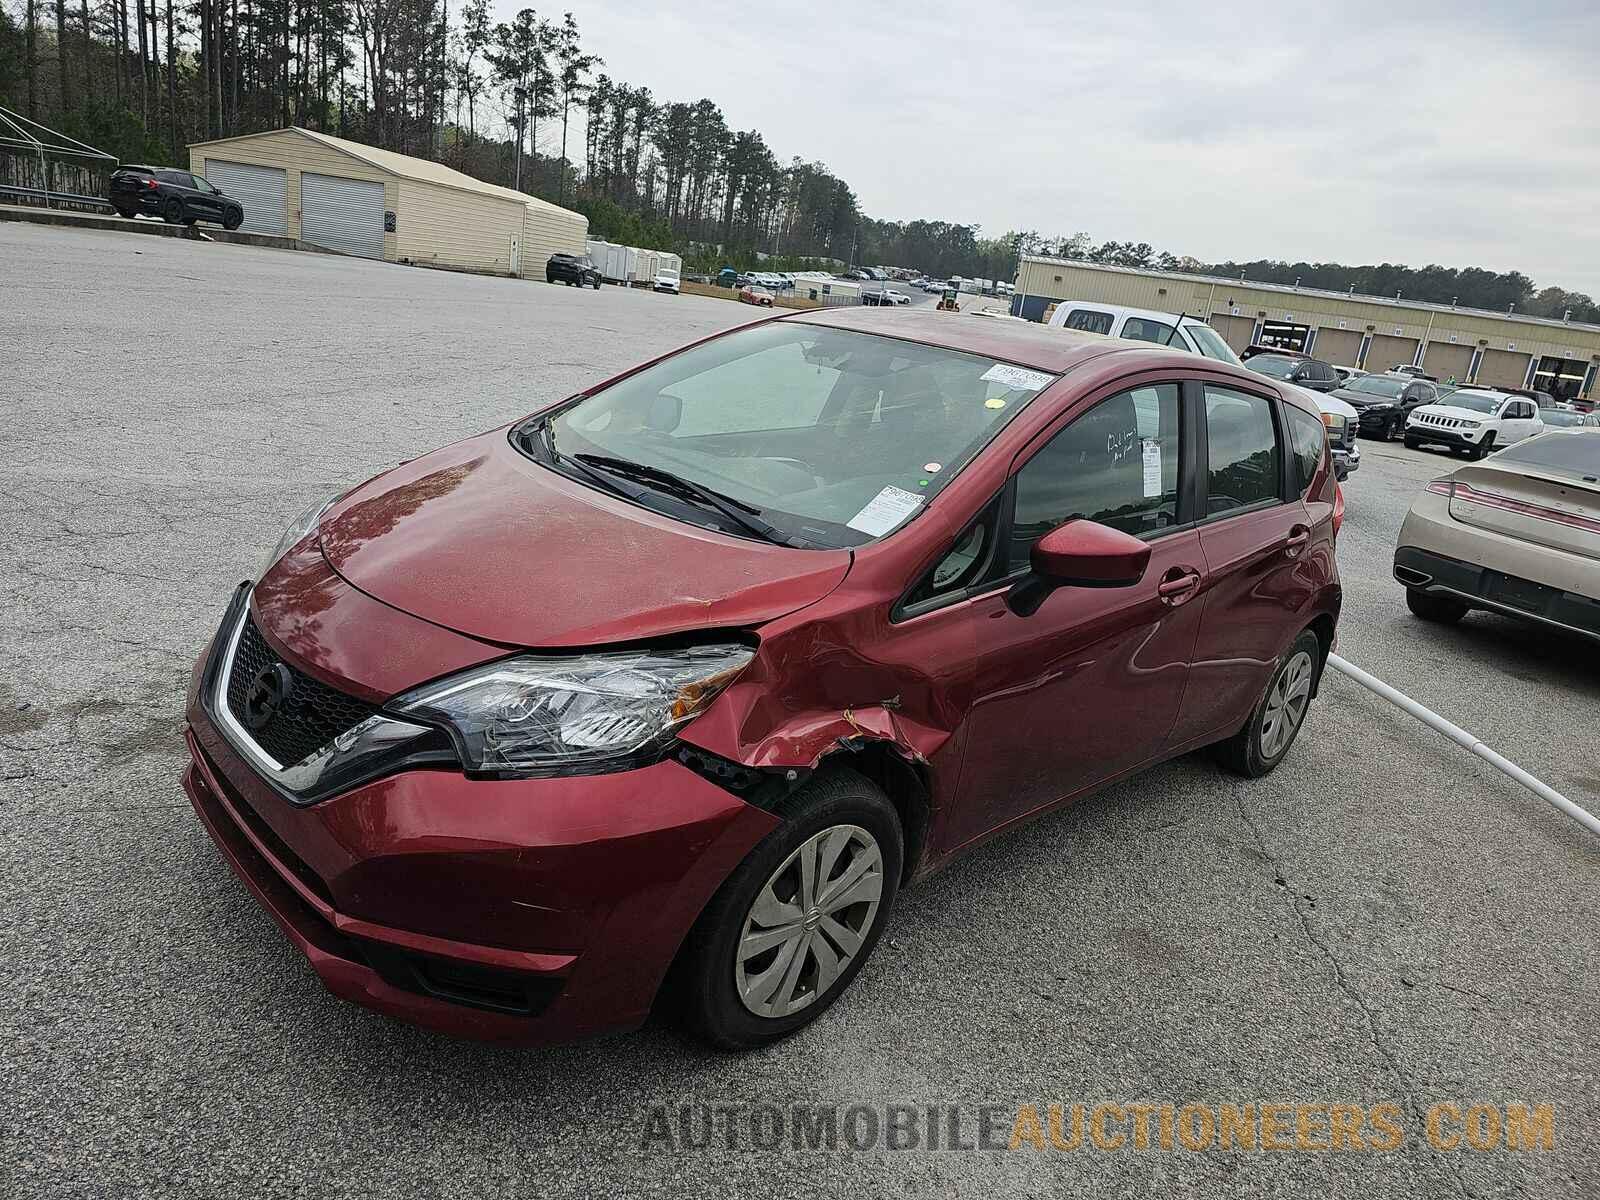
(1210, 343)
(1476, 401)
(1274, 365)
(834, 437)
(1577, 453)
(1377, 385)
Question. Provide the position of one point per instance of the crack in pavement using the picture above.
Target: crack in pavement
(1342, 981)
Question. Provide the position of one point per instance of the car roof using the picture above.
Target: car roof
(1030, 344)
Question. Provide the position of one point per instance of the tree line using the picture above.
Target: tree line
(525, 104)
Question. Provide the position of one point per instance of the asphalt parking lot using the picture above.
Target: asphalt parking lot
(1384, 919)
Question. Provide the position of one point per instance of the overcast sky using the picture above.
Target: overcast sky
(1465, 133)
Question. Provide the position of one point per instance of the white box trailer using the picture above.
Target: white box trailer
(650, 262)
(616, 262)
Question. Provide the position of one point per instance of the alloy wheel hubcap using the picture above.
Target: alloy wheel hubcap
(1286, 705)
(809, 921)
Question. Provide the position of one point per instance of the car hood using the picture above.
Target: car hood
(1363, 399)
(1325, 401)
(482, 540)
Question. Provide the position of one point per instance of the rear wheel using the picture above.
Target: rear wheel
(1267, 735)
(1443, 609)
(172, 211)
(796, 921)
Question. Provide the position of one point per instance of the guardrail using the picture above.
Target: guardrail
(51, 197)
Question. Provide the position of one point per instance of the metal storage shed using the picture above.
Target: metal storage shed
(379, 204)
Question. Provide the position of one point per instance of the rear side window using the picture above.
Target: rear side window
(1116, 464)
(1243, 467)
(1308, 442)
(1142, 329)
(1089, 321)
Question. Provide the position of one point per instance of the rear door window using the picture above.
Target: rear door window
(1143, 329)
(1244, 467)
(1088, 321)
(1116, 464)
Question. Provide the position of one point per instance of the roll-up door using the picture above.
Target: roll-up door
(1386, 352)
(342, 214)
(1502, 368)
(1445, 360)
(1337, 346)
(261, 190)
(1235, 331)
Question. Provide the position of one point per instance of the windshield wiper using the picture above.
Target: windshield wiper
(744, 515)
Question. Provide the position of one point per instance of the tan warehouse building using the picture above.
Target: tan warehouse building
(379, 204)
(1469, 345)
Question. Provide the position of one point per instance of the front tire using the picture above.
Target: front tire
(1412, 443)
(1444, 610)
(798, 918)
(232, 221)
(1483, 449)
(172, 211)
(1396, 430)
(1266, 737)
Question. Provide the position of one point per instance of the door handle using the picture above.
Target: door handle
(1299, 535)
(1178, 585)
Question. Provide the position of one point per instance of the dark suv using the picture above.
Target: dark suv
(572, 269)
(177, 197)
(1294, 368)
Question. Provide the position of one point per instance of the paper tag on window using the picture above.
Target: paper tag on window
(885, 511)
(1152, 468)
(1017, 377)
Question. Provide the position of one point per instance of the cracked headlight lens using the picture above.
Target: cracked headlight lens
(298, 528)
(534, 715)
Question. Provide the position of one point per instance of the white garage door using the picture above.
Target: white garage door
(260, 189)
(342, 214)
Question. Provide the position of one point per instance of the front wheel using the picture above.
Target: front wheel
(1266, 737)
(232, 221)
(1483, 449)
(790, 928)
(597, 283)
(1397, 429)
(172, 212)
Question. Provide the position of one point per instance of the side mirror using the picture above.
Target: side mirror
(1079, 553)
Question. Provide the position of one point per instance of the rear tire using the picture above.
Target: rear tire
(1442, 609)
(1275, 723)
(842, 824)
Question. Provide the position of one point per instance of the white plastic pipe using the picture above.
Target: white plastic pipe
(1461, 737)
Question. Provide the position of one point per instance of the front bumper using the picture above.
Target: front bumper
(511, 910)
(1417, 432)
(1346, 461)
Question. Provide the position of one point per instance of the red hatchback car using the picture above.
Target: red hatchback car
(666, 690)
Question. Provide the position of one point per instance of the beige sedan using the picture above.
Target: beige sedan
(1518, 533)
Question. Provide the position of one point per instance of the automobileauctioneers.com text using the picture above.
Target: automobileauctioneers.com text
(1105, 1127)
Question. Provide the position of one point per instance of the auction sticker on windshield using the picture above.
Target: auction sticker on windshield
(1020, 378)
(885, 510)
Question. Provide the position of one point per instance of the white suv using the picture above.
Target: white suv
(1476, 420)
